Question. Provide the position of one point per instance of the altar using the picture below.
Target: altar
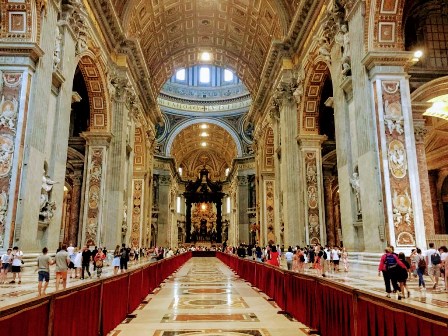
(203, 209)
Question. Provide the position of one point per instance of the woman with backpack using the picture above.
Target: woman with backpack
(420, 261)
(389, 266)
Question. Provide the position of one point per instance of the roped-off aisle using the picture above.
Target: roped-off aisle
(205, 298)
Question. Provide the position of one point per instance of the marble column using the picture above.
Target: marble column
(73, 229)
(397, 149)
(312, 180)
(289, 165)
(243, 219)
(420, 132)
(329, 210)
(95, 187)
(119, 187)
(163, 224)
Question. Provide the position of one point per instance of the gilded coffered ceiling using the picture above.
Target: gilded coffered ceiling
(191, 155)
(173, 33)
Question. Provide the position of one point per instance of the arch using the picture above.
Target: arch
(98, 95)
(182, 126)
(309, 110)
(430, 90)
(384, 24)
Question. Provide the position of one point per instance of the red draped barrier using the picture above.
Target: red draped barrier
(36, 318)
(279, 288)
(136, 295)
(335, 309)
(115, 302)
(89, 309)
(376, 319)
(78, 313)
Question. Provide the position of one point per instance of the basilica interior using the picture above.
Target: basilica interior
(206, 122)
(323, 122)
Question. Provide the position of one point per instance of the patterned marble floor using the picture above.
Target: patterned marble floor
(205, 298)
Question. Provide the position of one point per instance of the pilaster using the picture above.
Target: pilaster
(290, 170)
(95, 180)
(397, 149)
(312, 179)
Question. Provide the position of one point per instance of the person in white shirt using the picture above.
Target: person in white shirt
(16, 264)
(288, 256)
(433, 270)
(6, 261)
(444, 265)
(335, 258)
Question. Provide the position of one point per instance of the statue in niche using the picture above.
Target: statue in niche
(354, 182)
(57, 50)
(47, 207)
(343, 39)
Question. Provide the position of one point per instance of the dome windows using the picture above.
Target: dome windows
(228, 75)
(181, 75)
(204, 75)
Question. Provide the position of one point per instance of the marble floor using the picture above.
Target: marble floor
(205, 298)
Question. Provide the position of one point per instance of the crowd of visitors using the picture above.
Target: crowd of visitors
(322, 259)
(397, 270)
(71, 262)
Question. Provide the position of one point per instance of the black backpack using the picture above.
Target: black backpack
(391, 261)
(124, 253)
(435, 259)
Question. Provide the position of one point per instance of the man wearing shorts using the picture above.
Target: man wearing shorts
(62, 261)
(16, 264)
(43, 268)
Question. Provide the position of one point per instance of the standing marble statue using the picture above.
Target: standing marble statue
(354, 182)
(46, 207)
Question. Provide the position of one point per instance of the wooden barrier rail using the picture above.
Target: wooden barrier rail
(335, 309)
(93, 308)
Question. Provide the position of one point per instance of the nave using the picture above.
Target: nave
(206, 298)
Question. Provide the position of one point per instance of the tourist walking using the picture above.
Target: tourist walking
(420, 261)
(86, 257)
(43, 270)
(124, 258)
(274, 261)
(116, 260)
(433, 262)
(77, 263)
(62, 261)
(5, 265)
(289, 258)
(388, 266)
(16, 264)
(443, 269)
(99, 262)
(402, 276)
